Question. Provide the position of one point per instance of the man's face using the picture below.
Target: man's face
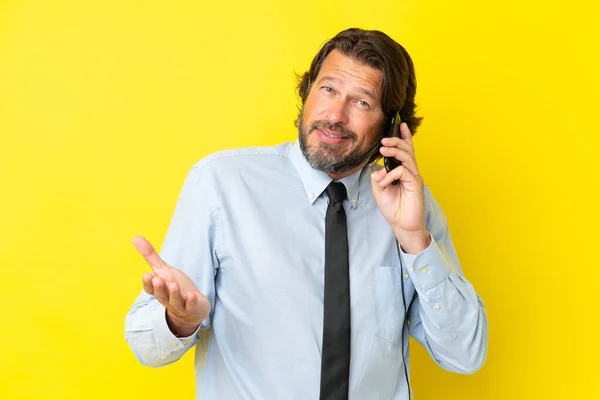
(342, 115)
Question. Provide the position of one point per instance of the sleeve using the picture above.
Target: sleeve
(191, 244)
(446, 315)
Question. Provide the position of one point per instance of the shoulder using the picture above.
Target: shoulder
(224, 166)
(244, 157)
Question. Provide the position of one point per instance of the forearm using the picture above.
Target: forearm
(150, 338)
(413, 243)
(449, 319)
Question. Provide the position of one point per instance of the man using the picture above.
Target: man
(309, 263)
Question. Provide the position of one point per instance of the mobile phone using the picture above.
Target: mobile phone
(392, 129)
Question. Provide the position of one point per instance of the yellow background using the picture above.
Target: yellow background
(105, 105)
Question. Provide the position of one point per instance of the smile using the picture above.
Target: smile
(331, 135)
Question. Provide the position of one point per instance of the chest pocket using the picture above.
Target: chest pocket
(389, 307)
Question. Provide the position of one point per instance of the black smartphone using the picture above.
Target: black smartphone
(391, 129)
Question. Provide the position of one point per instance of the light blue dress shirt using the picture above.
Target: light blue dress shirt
(248, 229)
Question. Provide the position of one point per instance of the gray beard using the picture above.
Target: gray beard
(324, 157)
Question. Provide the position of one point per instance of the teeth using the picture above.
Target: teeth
(332, 136)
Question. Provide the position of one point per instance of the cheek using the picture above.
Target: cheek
(307, 113)
(314, 108)
(368, 132)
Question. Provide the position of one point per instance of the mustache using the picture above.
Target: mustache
(337, 128)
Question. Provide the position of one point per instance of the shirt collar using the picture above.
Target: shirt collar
(316, 181)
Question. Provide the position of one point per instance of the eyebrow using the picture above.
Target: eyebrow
(337, 80)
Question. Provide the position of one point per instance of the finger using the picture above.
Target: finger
(197, 304)
(399, 143)
(148, 252)
(191, 302)
(406, 158)
(378, 175)
(398, 154)
(160, 290)
(405, 133)
(175, 298)
(147, 281)
(400, 173)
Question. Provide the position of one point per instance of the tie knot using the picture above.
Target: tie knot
(336, 191)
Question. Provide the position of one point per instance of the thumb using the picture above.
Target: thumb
(148, 252)
(376, 177)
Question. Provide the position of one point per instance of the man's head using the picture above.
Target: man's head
(358, 79)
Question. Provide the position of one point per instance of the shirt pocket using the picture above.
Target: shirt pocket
(389, 306)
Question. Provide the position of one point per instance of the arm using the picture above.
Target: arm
(190, 247)
(446, 316)
(149, 336)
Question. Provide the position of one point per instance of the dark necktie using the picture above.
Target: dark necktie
(335, 361)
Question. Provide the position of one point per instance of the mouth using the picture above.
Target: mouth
(331, 137)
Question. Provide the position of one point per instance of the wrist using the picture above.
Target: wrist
(413, 242)
(179, 327)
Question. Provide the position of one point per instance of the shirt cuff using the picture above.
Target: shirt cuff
(167, 342)
(428, 268)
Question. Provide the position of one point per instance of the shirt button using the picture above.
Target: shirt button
(173, 343)
(312, 196)
(405, 275)
(410, 268)
(424, 269)
(436, 306)
(162, 352)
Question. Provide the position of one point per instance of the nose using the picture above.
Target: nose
(337, 112)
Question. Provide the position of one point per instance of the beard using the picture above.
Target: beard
(324, 156)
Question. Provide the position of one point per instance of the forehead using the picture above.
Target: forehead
(351, 72)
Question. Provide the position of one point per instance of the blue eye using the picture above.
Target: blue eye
(328, 89)
(363, 103)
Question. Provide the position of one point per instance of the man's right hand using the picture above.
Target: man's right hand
(186, 306)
